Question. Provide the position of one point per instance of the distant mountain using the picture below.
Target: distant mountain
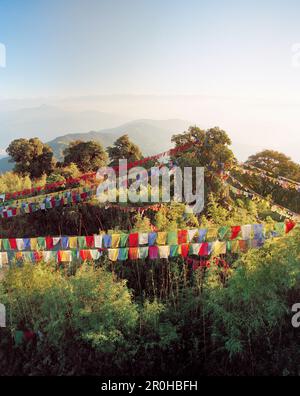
(48, 121)
(5, 165)
(153, 136)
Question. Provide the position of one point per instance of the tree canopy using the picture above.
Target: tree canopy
(124, 148)
(275, 162)
(210, 149)
(32, 157)
(186, 315)
(88, 156)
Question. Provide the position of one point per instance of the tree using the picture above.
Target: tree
(88, 156)
(124, 148)
(32, 157)
(278, 164)
(275, 162)
(210, 149)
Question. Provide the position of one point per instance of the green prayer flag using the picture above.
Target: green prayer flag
(228, 246)
(143, 252)
(41, 243)
(5, 244)
(74, 254)
(223, 231)
(123, 254)
(81, 242)
(123, 240)
(174, 250)
(172, 238)
(19, 337)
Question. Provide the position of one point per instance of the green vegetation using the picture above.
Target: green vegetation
(32, 157)
(124, 148)
(88, 156)
(153, 317)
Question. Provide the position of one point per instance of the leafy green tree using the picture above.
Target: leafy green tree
(275, 162)
(88, 156)
(31, 156)
(278, 164)
(253, 312)
(70, 171)
(124, 148)
(62, 173)
(90, 308)
(210, 149)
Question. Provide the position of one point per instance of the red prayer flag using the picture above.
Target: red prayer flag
(289, 225)
(38, 256)
(13, 243)
(182, 237)
(49, 243)
(59, 256)
(203, 251)
(134, 240)
(90, 241)
(235, 232)
(85, 255)
(133, 253)
(185, 249)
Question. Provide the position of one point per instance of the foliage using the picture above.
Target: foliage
(276, 163)
(208, 321)
(88, 156)
(251, 316)
(124, 148)
(211, 150)
(154, 317)
(90, 309)
(32, 157)
(10, 182)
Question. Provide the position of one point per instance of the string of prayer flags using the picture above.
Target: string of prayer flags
(281, 181)
(43, 202)
(251, 194)
(205, 249)
(133, 240)
(89, 176)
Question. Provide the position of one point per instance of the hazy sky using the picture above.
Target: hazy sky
(236, 54)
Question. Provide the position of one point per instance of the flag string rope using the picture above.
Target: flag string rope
(136, 239)
(280, 181)
(287, 212)
(205, 249)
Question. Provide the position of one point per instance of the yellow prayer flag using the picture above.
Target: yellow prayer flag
(113, 254)
(73, 242)
(212, 234)
(115, 241)
(33, 243)
(218, 248)
(161, 238)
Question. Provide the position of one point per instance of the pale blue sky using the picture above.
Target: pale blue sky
(75, 47)
(234, 56)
